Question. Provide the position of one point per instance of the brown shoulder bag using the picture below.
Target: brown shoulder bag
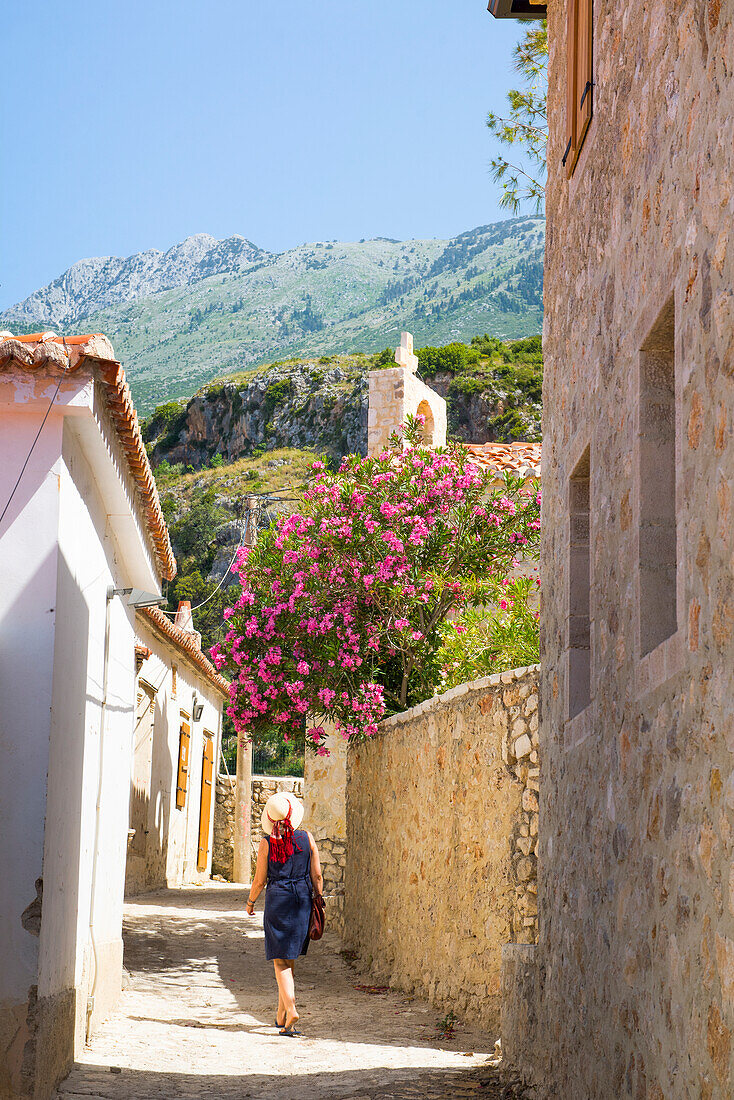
(318, 918)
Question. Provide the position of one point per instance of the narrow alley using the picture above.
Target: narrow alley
(197, 1020)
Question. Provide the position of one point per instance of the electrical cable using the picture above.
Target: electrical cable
(33, 444)
(264, 498)
(229, 567)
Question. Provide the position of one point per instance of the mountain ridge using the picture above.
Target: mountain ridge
(206, 307)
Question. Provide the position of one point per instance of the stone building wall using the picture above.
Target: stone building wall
(637, 809)
(223, 836)
(442, 815)
(263, 786)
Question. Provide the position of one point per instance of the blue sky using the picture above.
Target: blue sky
(132, 125)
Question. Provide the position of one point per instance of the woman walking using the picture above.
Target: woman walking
(288, 863)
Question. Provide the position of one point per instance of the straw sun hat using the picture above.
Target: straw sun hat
(276, 809)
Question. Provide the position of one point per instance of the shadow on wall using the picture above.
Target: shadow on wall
(47, 1024)
(152, 794)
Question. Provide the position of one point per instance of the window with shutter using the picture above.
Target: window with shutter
(184, 746)
(579, 78)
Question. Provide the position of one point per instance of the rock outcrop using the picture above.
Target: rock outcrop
(302, 406)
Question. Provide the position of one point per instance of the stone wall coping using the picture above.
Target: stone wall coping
(277, 778)
(519, 951)
(497, 679)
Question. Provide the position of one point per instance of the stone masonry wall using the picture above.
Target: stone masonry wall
(442, 816)
(637, 807)
(223, 838)
(325, 790)
(394, 393)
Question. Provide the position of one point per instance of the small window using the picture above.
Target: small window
(174, 681)
(579, 588)
(657, 477)
(579, 78)
(184, 748)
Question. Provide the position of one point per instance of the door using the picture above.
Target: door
(207, 779)
(184, 743)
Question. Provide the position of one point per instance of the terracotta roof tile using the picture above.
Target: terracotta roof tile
(48, 351)
(523, 459)
(187, 642)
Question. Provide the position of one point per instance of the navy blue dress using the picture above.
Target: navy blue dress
(288, 902)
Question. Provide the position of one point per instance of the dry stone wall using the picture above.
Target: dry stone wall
(223, 839)
(442, 828)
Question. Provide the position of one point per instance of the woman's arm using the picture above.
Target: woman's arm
(261, 875)
(317, 879)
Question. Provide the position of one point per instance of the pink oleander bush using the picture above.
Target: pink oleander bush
(344, 605)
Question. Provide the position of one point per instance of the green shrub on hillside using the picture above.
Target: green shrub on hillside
(450, 359)
(276, 394)
(166, 421)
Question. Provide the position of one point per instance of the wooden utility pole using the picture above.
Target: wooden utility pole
(243, 785)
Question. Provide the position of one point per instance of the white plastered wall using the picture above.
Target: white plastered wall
(173, 834)
(60, 550)
(28, 565)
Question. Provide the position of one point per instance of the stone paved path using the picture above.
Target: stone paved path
(197, 1020)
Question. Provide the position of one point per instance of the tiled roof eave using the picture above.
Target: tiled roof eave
(520, 459)
(58, 355)
(185, 643)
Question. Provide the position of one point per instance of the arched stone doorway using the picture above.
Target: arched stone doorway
(428, 428)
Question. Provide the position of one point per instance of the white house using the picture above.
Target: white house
(177, 740)
(80, 526)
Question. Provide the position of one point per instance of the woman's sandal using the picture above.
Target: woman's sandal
(291, 1031)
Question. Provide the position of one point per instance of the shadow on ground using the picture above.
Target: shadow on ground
(198, 1020)
(216, 925)
(100, 1082)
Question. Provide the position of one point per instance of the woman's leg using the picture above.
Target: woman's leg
(286, 989)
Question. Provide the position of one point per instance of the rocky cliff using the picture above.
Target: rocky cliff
(322, 405)
(303, 405)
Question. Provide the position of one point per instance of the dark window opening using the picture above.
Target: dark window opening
(579, 589)
(657, 473)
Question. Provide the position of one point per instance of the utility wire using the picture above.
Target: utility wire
(249, 518)
(33, 444)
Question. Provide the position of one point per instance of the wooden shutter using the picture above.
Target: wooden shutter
(207, 775)
(579, 78)
(184, 746)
